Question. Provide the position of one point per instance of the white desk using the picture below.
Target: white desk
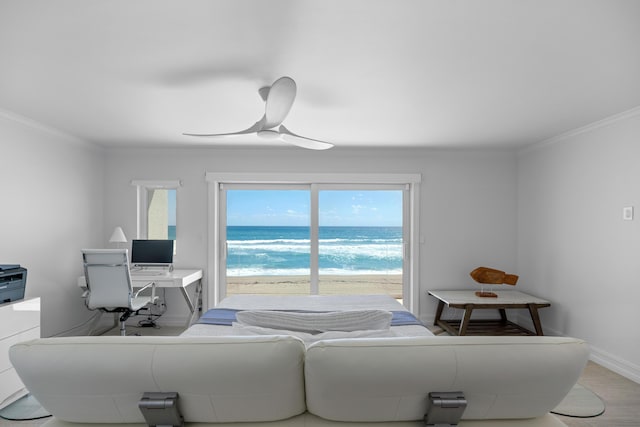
(178, 278)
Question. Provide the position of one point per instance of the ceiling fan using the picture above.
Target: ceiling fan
(278, 100)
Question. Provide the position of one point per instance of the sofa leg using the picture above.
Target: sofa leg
(161, 409)
(445, 409)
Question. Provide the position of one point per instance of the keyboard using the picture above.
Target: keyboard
(148, 273)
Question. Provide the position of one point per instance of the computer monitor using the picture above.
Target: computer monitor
(152, 252)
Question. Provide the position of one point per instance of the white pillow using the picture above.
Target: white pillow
(315, 322)
(307, 338)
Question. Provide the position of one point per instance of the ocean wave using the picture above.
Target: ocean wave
(257, 251)
(347, 251)
(243, 272)
(270, 242)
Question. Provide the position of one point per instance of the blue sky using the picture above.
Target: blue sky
(291, 207)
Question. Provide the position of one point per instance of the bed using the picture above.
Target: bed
(351, 316)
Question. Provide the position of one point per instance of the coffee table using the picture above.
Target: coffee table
(468, 301)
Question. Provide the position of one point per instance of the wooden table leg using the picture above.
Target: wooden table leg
(438, 312)
(533, 309)
(466, 319)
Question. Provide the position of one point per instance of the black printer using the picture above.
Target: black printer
(13, 279)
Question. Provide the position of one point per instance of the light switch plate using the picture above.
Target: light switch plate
(627, 213)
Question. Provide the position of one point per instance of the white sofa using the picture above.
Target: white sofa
(274, 380)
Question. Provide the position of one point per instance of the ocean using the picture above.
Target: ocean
(264, 250)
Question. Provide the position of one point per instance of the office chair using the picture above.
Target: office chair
(109, 288)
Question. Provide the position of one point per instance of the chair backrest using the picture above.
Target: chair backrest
(108, 280)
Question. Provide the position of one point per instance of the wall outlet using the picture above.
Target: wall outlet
(627, 213)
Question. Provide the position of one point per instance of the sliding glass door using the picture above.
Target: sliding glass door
(312, 239)
(267, 240)
(360, 241)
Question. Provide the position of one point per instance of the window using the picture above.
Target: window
(267, 240)
(157, 209)
(331, 234)
(360, 237)
(161, 214)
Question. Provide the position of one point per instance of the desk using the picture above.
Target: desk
(178, 278)
(468, 301)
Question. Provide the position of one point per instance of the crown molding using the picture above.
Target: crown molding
(585, 129)
(36, 125)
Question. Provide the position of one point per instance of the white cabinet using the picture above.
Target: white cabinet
(19, 321)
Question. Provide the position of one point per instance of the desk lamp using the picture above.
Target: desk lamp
(118, 237)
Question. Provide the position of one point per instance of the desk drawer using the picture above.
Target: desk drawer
(14, 339)
(11, 387)
(19, 316)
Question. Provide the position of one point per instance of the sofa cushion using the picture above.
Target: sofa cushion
(389, 379)
(308, 338)
(218, 379)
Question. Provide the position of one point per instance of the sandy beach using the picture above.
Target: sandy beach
(299, 285)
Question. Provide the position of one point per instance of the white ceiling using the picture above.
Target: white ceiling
(370, 73)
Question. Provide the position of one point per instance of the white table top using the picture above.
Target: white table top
(178, 278)
(469, 297)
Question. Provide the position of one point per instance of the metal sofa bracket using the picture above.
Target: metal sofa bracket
(445, 409)
(161, 409)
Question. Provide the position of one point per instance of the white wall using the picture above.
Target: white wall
(50, 207)
(468, 212)
(574, 248)
(551, 213)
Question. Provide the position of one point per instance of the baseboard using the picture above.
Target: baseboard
(619, 366)
(106, 323)
(177, 321)
(614, 363)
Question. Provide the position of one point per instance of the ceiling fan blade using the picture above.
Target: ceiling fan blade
(301, 141)
(280, 98)
(257, 127)
(217, 135)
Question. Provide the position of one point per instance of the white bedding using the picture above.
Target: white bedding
(307, 303)
(314, 322)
